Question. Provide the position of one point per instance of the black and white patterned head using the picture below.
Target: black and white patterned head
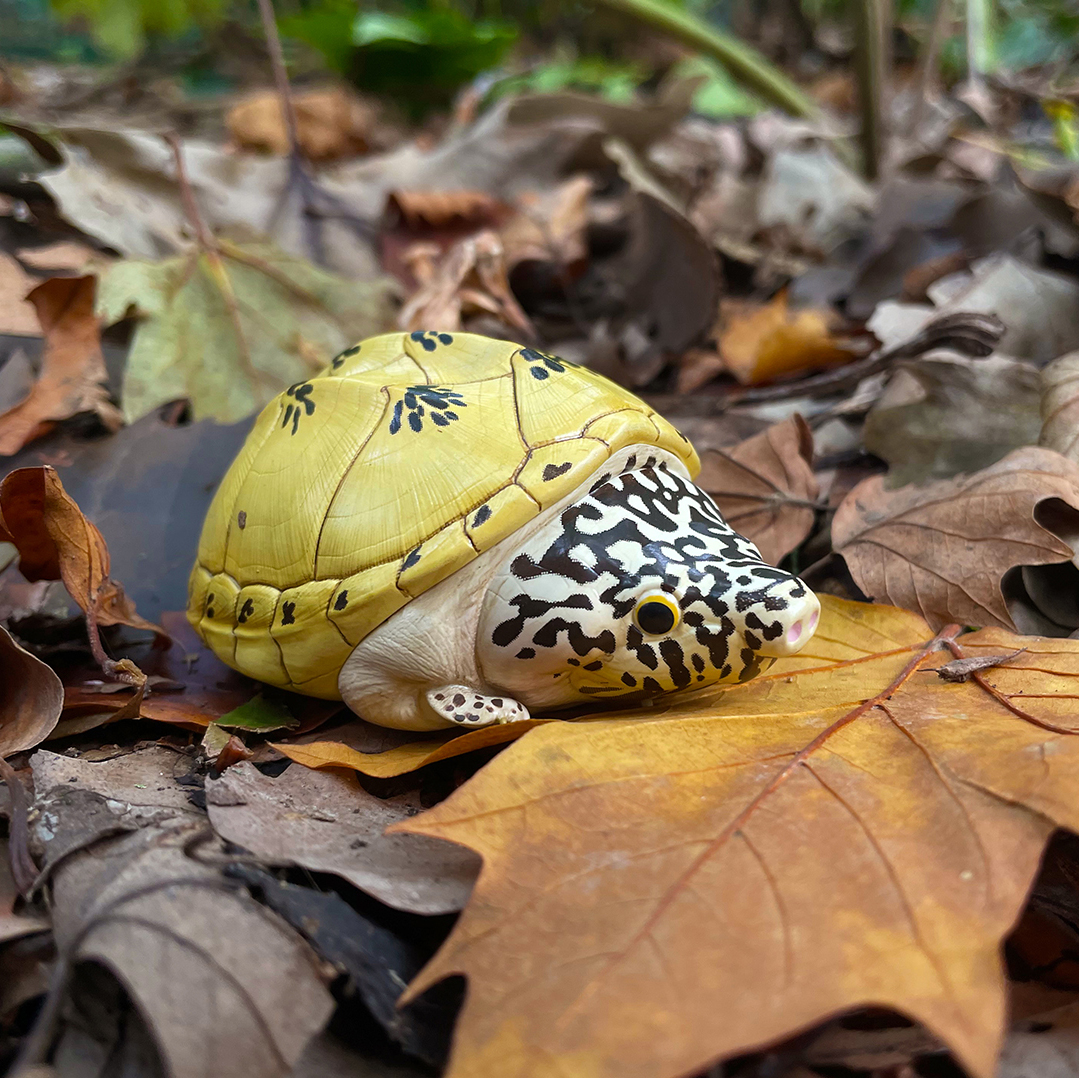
(638, 588)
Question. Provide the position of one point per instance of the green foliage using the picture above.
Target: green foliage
(122, 27)
(327, 28)
(718, 96)
(612, 79)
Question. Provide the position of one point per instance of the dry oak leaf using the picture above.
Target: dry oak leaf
(72, 369)
(943, 548)
(765, 486)
(759, 344)
(1060, 406)
(676, 885)
(56, 542)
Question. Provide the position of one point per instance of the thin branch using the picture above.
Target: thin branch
(280, 74)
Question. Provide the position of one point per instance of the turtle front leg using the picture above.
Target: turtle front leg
(462, 706)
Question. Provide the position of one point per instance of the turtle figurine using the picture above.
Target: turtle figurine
(445, 530)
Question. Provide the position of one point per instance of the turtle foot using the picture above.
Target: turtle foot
(462, 706)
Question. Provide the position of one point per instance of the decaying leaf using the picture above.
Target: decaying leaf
(844, 830)
(943, 548)
(12, 924)
(31, 699)
(765, 486)
(56, 542)
(331, 123)
(472, 276)
(947, 415)
(226, 988)
(72, 368)
(230, 331)
(327, 822)
(1060, 406)
(550, 227)
(438, 210)
(761, 343)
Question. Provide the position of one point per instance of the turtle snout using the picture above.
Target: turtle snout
(799, 624)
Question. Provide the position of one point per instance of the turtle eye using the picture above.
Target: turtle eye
(656, 614)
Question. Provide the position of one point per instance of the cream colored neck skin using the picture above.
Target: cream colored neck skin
(432, 641)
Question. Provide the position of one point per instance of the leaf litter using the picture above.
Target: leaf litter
(857, 830)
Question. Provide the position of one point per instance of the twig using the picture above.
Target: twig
(927, 65)
(873, 29)
(280, 74)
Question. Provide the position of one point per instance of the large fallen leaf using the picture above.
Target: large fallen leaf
(1060, 406)
(73, 373)
(948, 414)
(31, 697)
(18, 316)
(56, 542)
(672, 886)
(327, 822)
(762, 343)
(228, 329)
(765, 486)
(942, 549)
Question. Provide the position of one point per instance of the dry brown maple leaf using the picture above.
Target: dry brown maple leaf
(676, 885)
(765, 486)
(72, 371)
(942, 548)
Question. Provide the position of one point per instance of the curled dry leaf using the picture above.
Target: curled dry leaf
(550, 227)
(56, 542)
(471, 275)
(72, 368)
(843, 831)
(327, 822)
(17, 315)
(762, 343)
(331, 123)
(31, 698)
(765, 486)
(225, 986)
(942, 549)
(425, 210)
(1060, 406)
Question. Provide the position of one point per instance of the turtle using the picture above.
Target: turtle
(447, 530)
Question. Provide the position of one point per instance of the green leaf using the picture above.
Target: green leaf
(230, 332)
(718, 96)
(259, 714)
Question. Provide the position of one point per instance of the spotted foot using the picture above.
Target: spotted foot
(462, 706)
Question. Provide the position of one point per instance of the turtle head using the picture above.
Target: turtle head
(638, 588)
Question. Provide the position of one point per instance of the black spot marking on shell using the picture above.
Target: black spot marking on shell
(338, 360)
(413, 557)
(436, 403)
(245, 611)
(542, 364)
(209, 606)
(288, 613)
(241, 519)
(301, 391)
(597, 665)
(526, 653)
(629, 679)
(483, 514)
(553, 471)
(341, 601)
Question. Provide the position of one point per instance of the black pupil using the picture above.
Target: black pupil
(655, 618)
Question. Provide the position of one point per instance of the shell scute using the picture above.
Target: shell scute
(309, 642)
(552, 471)
(256, 605)
(444, 553)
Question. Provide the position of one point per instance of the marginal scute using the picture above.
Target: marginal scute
(373, 596)
(553, 471)
(383, 475)
(440, 556)
(310, 643)
(671, 438)
(256, 605)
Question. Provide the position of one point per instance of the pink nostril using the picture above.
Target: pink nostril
(794, 632)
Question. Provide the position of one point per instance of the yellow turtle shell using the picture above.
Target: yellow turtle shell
(360, 489)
